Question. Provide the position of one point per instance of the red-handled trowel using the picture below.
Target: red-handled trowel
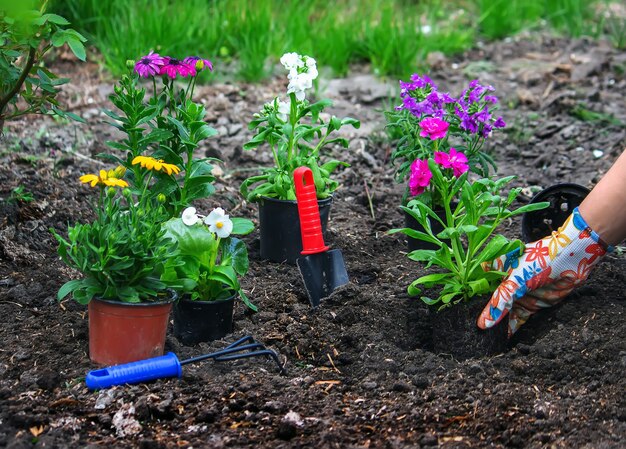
(322, 269)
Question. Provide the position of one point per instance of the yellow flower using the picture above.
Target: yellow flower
(156, 164)
(104, 178)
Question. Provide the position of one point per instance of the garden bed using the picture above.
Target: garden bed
(360, 370)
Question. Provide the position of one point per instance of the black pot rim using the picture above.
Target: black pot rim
(561, 186)
(566, 187)
(276, 200)
(185, 299)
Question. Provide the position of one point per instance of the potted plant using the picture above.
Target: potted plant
(297, 136)
(206, 272)
(121, 255)
(429, 121)
(466, 247)
(124, 251)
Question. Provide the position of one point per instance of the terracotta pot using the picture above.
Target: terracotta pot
(563, 199)
(279, 225)
(126, 332)
(455, 331)
(198, 321)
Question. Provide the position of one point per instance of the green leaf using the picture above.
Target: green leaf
(530, 208)
(156, 135)
(430, 280)
(421, 255)
(242, 226)
(77, 48)
(54, 18)
(235, 254)
(196, 241)
(330, 166)
(69, 287)
(247, 302)
(225, 275)
(479, 287)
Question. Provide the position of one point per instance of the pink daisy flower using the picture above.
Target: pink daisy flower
(174, 67)
(149, 65)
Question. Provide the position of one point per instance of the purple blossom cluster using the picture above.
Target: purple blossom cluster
(154, 64)
(472, 109)
(421, 98)
(470, 112)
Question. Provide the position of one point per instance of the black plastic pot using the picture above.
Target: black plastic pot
(563, 199)
(412, 223)
(198, 321)
(279, 226)
(455, 331)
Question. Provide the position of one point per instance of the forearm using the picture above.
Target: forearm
(604, 209)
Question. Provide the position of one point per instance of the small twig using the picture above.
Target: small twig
(333, 363)
(369, 200)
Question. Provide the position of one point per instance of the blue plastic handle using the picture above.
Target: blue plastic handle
(136, 372)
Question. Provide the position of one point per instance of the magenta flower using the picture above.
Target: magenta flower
(149, 65)
(198, 63)
(174, 67)
(455, 160)
(420, 177)
(434, 128)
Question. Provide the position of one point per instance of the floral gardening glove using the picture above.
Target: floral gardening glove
(547, 271)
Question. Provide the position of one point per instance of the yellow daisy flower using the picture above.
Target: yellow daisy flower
(104, 178)
(156, 164)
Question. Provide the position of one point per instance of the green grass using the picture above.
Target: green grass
(500, 18)
(394, 36)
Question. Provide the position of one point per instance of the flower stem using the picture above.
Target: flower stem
(293, 120)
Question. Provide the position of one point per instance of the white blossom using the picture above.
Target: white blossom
(219, 223)
(283, 109)
(291, 61)
(189, 216)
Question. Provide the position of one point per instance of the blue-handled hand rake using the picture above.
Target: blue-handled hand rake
(168, 365)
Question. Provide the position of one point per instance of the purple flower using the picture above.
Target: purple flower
(174, 67)
(467, 121)
(198, 63)
(149, 65)
(420, 177)
(499, 123)
(482, 116)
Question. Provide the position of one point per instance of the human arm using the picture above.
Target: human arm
(550, 268)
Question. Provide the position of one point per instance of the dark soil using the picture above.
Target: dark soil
(361, 372)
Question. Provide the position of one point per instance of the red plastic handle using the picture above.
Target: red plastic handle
(309, 212)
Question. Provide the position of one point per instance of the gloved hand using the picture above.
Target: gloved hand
(547, 271)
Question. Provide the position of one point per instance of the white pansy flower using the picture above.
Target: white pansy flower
(219, 223)
(291, 61)
(189, 216)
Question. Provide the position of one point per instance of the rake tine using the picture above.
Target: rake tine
(268, 352)
(228, 350)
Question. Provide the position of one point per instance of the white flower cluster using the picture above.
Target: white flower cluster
(302, 72)
(218, 222)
